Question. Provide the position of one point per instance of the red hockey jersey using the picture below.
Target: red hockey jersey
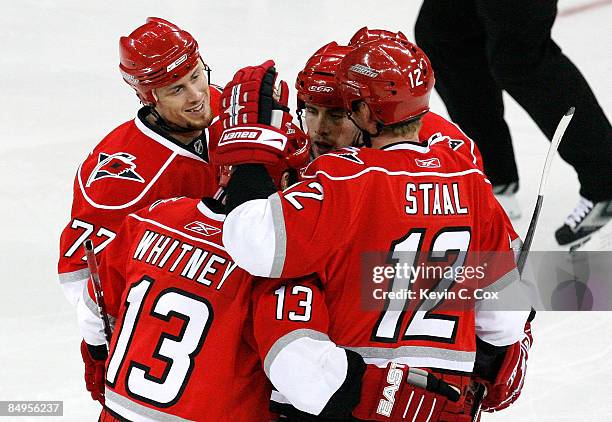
(131, 167)
(436, 129)
(361, 208)
(193, 333)
(181, 346)
(437, 132)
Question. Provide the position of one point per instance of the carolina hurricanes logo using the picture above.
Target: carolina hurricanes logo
(348, 153)
(202, 228)
(119, 165)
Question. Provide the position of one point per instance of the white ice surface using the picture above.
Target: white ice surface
(61, 93)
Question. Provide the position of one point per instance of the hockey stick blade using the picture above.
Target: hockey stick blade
(92, 264)
(554, 145)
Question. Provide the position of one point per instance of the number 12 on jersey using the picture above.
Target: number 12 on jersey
(449, 245)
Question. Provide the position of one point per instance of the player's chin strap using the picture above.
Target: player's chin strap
(298, 113)
(365, 135)
(167, 126)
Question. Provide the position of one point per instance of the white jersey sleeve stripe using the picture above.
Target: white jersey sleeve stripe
(308, 372)
(498, 322)
(249, 236)
(73, 284)
(90, 324)
(135, 411)
(282, 342)
(418, 356)
(280, 236)
(78, 275)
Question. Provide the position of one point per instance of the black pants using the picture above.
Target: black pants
(479, 48)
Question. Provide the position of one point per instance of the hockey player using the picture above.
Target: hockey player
(319, 96)
(161, 153)
(189, 327)
(343, 209)
(327, 123)
(329, 127)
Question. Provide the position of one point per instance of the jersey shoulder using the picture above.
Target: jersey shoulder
(125, 166)
(343, 162)
(187, 217)
(395, 159)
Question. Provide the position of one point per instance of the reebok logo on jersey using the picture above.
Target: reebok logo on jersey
(429, 163)
(364, 70)
(119, 165)
(394, 380)
(202, 228)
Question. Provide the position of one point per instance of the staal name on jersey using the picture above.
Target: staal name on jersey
(434, 199)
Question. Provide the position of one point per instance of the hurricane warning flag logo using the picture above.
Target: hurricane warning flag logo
(119, 165)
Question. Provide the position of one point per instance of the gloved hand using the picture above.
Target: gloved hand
(254, 117)
(94, 358)
(511, 376)
(398, 393)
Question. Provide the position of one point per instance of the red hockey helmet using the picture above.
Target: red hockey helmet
(316, 84)
(154, 55)
(393, 77)
(365, 35)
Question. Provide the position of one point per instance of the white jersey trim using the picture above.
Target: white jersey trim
(285, 340)
(136, 412)
(73, 283)
(133, 201)
(250, 228)
(308, 372)
(423, 149)
(177, 150)
(78, 275)
(418, 356)
(472, 143)
(393, 173)
(170, 229)
(424, 362)
(209, 213)
(280, 235)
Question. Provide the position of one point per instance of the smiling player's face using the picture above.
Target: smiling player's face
(186, 103)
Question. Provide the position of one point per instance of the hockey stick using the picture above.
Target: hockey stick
(481, 390)
(92, 264)
(554, 145)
